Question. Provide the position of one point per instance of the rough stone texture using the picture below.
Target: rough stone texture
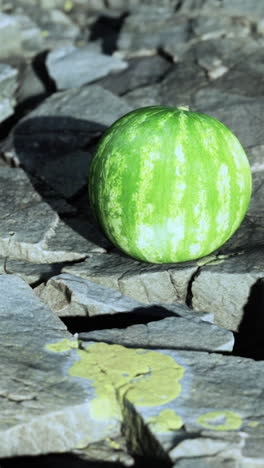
(141, 71)
(8, 85)
(54, 410)
(52, 136)
(171, 332)
(142, 281)
(72, 67)
(31, 230)
(171, 399)
(232, 280)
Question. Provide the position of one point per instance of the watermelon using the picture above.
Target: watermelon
(169, 185)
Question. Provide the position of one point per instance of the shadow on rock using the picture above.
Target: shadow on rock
(56, 153)
(51, 461)
(120, 320)
(107, 29)
(249, 339)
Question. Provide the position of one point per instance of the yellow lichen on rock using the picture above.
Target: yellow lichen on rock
(223, 420)
(143, 377)
(166, 420)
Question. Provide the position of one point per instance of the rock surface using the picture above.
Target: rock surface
(106, 359)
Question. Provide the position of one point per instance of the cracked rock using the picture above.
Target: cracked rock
(171, 332)
(71, 295)
(49, 239)
(144, 282)
(229, 281)
(55, 412)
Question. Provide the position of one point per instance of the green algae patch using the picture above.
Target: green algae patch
(144, 378)
(62, 345)
(222, 420)
(167, 420)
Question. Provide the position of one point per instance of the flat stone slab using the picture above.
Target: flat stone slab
(49, 142)
(142, 281)
(71, 67)
(225, 286)
(50, 239)
(8, 85)
(170, 332)
(42, 410)
(161, 418)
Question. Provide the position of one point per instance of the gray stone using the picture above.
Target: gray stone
(8, 85)
(47, 142)
(170, 332)
(30, 85)
(75, 296)
(205, 416)
(181, 83)
(243, 115)
(43, 410)
(143, 282)
(141, 71)
(31, 273)
(49, 239)
(206, 462)
(149, 28)
(211, 27)
(58, 29)
(9, 35)
(71, 67)
(227, 284)
(145, 96)
(30, 34)
(249, 8)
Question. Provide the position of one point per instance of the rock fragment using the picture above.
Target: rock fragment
(8, 85)
(227, 286)
(50, 238)
(72, 67)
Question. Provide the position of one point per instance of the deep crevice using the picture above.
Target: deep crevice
(249, 338)
(107, 29)
(189, 295)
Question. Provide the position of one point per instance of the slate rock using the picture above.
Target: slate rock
(149, 27)
(170, 332)
(207, 413)
(9, 35)
(241, 114)
(144, 96)
(58, 129)
(30, 85)
(211, 27)
(72, 67)
(141, 71)
(181, 83)
(227, 284)
(205, 404)
(58, 29)
(43, 410)
(49, 238)
(8, 85)
(71, 295)
(142, 281)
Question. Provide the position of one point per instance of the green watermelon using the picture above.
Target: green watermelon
(169, 185)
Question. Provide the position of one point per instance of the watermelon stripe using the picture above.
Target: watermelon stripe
(169, 185)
